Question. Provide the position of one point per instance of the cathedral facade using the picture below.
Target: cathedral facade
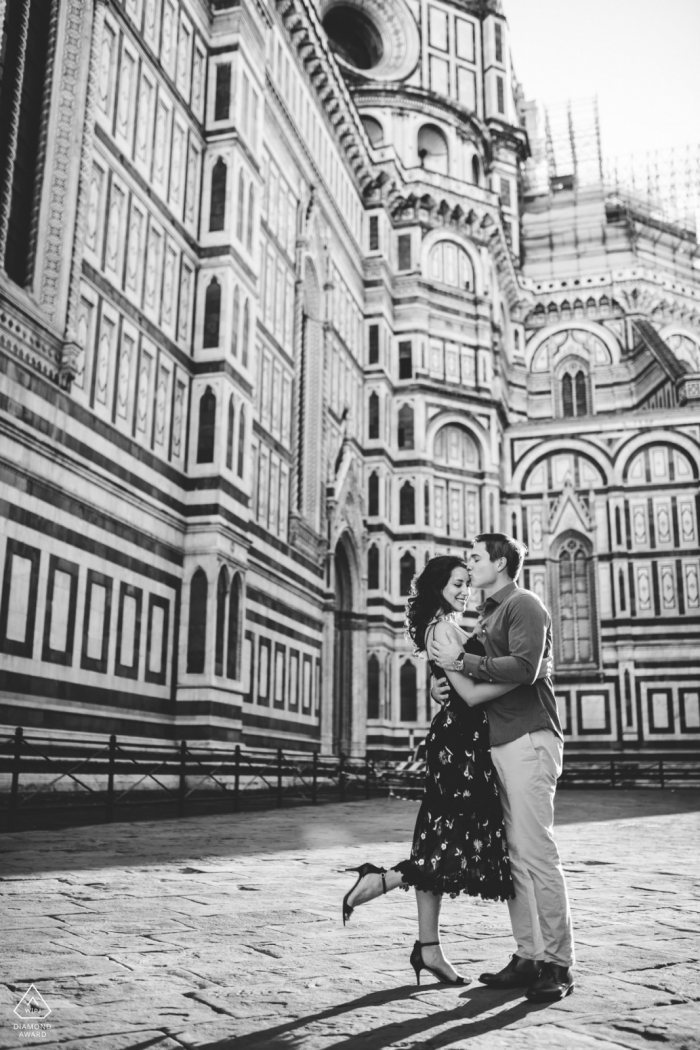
(279, 321)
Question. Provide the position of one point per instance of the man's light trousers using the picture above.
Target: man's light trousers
(527, 770)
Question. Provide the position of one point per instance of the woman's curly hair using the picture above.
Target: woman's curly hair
(425, 601)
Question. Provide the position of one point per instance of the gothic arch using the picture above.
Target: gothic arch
(592, 453)
(679, 442)
(602, 333)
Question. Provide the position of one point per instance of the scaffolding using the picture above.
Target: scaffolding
(567, 153)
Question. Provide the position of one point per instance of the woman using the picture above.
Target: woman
(459, 844)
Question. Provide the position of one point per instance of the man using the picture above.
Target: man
(526, 746)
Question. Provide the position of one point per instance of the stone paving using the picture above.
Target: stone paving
(224, 933)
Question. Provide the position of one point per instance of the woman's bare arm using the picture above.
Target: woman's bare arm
(471, 691)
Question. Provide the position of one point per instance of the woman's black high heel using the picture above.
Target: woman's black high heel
(418, 964)
(364, 869)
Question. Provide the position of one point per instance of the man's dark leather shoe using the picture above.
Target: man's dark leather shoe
(519, 973)
(554, 983)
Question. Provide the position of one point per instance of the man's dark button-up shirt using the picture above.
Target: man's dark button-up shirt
(516, 631)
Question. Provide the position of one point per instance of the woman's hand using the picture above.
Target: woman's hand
(440, 690)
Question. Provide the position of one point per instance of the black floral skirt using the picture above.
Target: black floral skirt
(459, 844)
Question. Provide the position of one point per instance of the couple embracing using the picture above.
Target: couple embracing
(494, 752)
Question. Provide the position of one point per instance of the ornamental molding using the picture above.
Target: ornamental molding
(58, 230)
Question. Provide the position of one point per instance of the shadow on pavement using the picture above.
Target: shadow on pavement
(472, 1004)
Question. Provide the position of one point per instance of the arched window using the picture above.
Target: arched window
(576, 605)
(197, 628)
(221, 597)
(207, 426)
(375, 132)
(409, 705)
(230, 431)
(373, 686)
(212, 314)
(407, 570)
(236, 320)
(246, 333)
(241, 442)
(405, 433)
(373, 493)
(476, 171)
(454, 447)
(373, 416)
(450, 264)
(241, 205)
(432, 149)
(217, 203)
(251, 213)
(373, 568)
(233, 641)
(407, 504)
(574, 393)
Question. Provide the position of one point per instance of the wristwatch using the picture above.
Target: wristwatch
(458, 664)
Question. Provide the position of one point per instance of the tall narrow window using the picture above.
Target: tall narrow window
(426, 503)
(230, 432)
(373, 358)
(498, 31)
(233, 640)
(373, 686)
(217, 203)
(221, 601)
(241, 443)
(407, 504)
(500, 95)
(241, 206)
(212, 314)
(222, 102)
(567, 395)
(374, 233)
(618, 526)
(235, 320)
(476, 171)
(404, 245)
(405, 434)
(581, 399)
(207, 426)
(24, 80)
(373, 416)
(405, 361)
(197, 632)
(409, 705)
(575, 605)
(373, 493)
(373, 568)
(622, 591)
(246, 334)
(407, 570)
(504, 192)
(251, 214)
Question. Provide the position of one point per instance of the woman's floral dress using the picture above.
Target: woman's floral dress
(459, 844)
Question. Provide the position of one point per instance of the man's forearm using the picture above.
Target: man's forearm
(500, 669)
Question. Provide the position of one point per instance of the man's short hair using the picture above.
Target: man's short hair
(501, 546)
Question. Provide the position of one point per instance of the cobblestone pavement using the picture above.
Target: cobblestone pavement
(224, 933)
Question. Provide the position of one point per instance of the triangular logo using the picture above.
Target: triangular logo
(32, 1004)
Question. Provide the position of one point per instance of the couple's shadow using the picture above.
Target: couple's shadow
(463, 1020)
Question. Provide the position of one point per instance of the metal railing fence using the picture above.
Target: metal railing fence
(53, 781)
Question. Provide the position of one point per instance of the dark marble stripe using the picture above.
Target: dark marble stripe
(280, 628)
(78, 540)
